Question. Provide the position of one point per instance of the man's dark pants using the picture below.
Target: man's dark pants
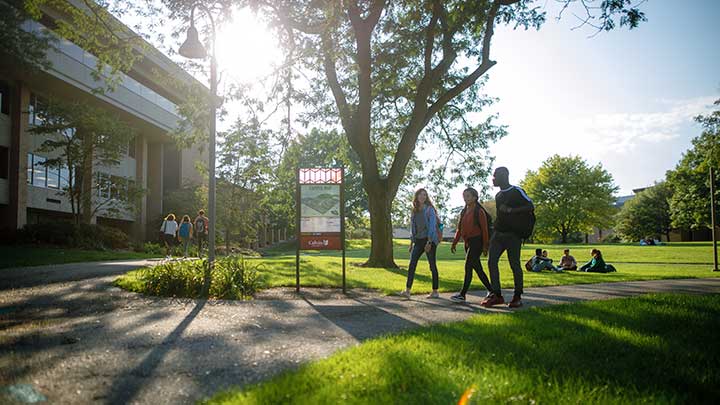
(499, 243)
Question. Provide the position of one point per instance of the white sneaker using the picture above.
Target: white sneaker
(433, 294)
(405, 294)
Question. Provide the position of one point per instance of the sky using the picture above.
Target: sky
(625, 98)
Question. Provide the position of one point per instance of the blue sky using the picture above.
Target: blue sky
(623, 98)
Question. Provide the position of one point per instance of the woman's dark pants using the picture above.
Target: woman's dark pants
(418, 250)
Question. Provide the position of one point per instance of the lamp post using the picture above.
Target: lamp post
(192, 48)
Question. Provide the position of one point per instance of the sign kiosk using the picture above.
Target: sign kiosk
(320, 214)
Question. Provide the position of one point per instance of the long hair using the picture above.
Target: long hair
(416, 203)
(186, 218)
(170, 217)
(464, 210)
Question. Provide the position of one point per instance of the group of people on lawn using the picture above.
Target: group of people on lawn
(515, 213)
(184, 232)
(541, 262)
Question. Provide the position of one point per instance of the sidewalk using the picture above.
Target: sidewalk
(88, 342)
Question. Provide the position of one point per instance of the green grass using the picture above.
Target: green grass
(620, 351)
(22, 256)
(322, 269)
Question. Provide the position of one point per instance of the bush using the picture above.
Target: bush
(68, 234)
(233, 278)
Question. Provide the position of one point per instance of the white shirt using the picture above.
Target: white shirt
(169, 227)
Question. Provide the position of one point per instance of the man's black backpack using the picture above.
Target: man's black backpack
(525, 223)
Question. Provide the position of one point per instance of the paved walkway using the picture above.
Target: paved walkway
(76, 339)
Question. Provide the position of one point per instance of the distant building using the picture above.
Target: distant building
(29, 192)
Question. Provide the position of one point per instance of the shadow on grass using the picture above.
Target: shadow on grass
(614, 351)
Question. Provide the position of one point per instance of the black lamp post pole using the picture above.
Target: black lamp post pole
(713, 224)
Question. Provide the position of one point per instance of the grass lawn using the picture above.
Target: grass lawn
(21, 256)
(321, 269)
(620, 351)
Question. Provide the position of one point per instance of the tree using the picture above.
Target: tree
(401, 72)
(79, 137)
(26, 49)
(690, 180)
(569, 196)
(244, 166)
(647, 214)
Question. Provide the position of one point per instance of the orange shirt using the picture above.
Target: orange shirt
(467, 228)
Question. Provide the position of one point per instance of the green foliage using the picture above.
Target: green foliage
(245, 168)
(183, 201)
(690, 180)
(27, 49)
(570, 196)
(647, 214)
(396, 75)
(68, 234)
(608, 352)
(80, 137)
(233, 277)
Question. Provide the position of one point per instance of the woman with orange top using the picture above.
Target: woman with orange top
(473, 228)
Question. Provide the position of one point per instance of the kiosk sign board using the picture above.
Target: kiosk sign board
(320, 208)
(320, 212)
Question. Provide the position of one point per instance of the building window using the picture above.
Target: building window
(4, 162)
(53, 177)
(64, 178)
(4, 98)
(29, 168)
(35, 109)
(103, 185)
(39, 172)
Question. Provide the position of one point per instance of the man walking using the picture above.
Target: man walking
(515, 220)
(201, 224)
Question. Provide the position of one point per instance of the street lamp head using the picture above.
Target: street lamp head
(192, 48)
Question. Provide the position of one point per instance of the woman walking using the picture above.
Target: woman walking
(169, 230)
(473, 228)
(424, 239)
(185, 233)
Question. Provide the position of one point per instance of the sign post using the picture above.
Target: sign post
(320, 202)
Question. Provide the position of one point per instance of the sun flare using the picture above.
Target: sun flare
(246, 49)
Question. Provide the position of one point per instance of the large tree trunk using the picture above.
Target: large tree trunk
(381, 248)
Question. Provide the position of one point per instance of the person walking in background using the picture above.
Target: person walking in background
(567, 262)
(474, 230)
(425, 237)
(185, 233)
(201, 225)
(169, 230)
(515, 221)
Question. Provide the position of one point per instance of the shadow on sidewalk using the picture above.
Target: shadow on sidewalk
(363, 322)
(127, 385)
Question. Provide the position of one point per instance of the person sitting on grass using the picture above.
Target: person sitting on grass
(567, 262)
(597, 264)
(541, 262)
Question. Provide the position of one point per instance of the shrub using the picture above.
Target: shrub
(233, 278)
(175, 278)
(69, 234)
